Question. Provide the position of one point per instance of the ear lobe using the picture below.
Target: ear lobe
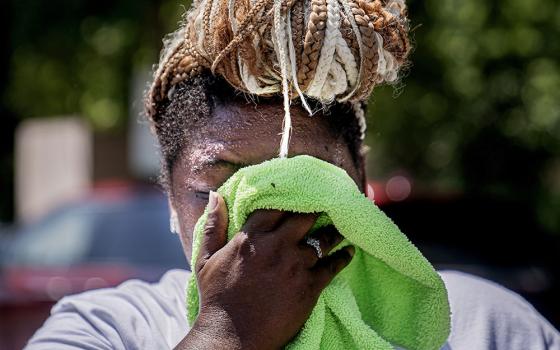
(174, 226)
(172, 211)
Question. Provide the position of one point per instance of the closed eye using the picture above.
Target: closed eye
(205, 195)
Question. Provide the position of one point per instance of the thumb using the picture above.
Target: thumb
(215, 230)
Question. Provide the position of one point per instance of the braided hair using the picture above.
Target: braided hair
(331, 51)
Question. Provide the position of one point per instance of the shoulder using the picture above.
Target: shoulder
(133, 315)
(485, 315)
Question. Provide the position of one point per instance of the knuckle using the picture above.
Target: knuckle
(200, 272)
(245, 246)
(213, 225)
(199, 265)
(210, 226)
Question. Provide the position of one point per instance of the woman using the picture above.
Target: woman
(235, 87)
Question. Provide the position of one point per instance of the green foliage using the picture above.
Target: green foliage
(77, 57)
(480, 108)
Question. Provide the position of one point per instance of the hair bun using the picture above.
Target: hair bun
(329, 50)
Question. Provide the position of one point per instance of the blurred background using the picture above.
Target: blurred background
(464, 152)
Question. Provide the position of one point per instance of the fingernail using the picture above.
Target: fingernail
(212, 201)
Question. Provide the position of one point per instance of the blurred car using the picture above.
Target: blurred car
(110, 236)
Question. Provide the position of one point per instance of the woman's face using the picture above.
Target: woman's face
(239, 135)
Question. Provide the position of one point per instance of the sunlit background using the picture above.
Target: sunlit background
(464, 151)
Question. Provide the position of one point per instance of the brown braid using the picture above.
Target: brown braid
(349, 36)
(369, 45)
(313, 42)
(394, 33)
(206, 28)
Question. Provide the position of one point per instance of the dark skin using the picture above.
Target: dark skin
(266, 269)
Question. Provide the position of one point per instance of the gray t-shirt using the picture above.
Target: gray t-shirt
(139, 315)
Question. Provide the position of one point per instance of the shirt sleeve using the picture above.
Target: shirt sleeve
(135, 315)
(485, 315)
(68, 329)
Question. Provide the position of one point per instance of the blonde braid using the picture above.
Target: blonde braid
(208, 44)
(325, 61)
(329, 50)
(348, 32)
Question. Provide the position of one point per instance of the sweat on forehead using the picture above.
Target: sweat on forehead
(249, 134)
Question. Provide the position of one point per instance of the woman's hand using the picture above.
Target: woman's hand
(257, 290)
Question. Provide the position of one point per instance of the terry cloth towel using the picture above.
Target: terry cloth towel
(389, 295)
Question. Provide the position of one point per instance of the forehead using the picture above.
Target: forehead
(246, 133)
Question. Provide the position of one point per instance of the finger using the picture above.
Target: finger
(327, 268)
(263, 221)
(328, 237)
(215, 230)
(296, 226)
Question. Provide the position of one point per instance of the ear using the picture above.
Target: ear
(172, 210)
(173, 219)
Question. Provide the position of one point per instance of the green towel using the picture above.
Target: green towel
(389, 295)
